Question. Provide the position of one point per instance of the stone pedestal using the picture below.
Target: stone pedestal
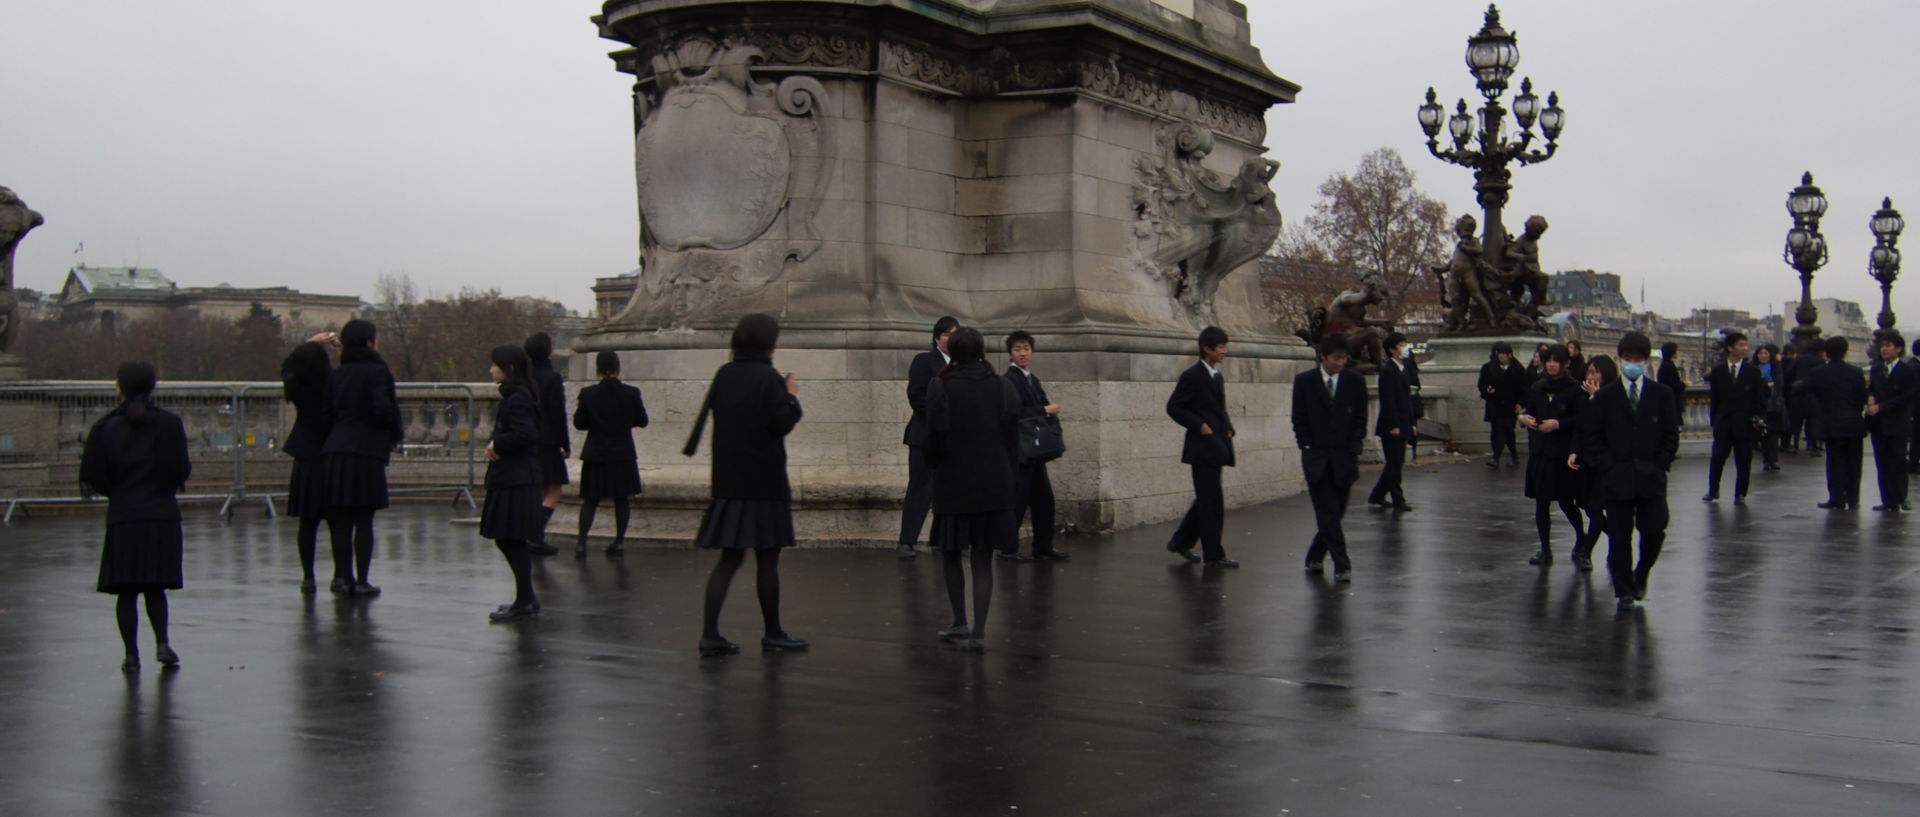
(12, 368)
(1456, 367)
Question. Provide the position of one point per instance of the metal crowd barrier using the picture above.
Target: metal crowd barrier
(234, 432)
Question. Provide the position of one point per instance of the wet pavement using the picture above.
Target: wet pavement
(1773, 671)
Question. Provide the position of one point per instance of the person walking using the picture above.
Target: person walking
(512, 516)
(1395, 426)
(1552, 404)
(1199, 405)
(1632, 431)
(1839, 392)
(1670, 373)
(365, 424)
(1503, 385)
(753, 408)
(303, 382)
(137, 458)
(972, 423)
(556, 443)
(1601, 372)
(1737, 404)
(913, 508)
(1032, 490)
(1330, 426)
(1773, 414)
(1890, 395)
(608, 411)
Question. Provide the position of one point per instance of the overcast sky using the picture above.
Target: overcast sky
(488, 142)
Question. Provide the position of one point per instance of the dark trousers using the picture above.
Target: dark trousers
(1033, 490)
(1394, 450)
(1913, 447)
(1741, 447)
(1843, 470)
(1329, 505)
(1648, 515)
(1890, 462)
(1770, 449)
(913, 509)
(1205, 517)
(1502, 437)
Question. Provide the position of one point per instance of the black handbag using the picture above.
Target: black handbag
(1040, 440)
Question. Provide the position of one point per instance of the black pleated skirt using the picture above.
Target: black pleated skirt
(553, 466)
(746, 524)
(967, 531)
(141, 556)
(1548, 477)
(306, 494)
(609, 480)
(353, 481)
(512, 512)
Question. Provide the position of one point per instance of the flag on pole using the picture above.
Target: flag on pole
(80, 249)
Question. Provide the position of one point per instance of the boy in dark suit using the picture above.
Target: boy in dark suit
(913, 509)
(1031, 487)
(1839, 392)
(1329, 425)
(1199, 404)
(1738, 394)
(1631, 431)
(1395, 426)
(1890, 418)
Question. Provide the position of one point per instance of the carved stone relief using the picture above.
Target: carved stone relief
(1191, 226)
(16, 220)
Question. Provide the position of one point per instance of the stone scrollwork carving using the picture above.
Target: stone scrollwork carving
(1191, 226)
(729, 169)
(16, 220)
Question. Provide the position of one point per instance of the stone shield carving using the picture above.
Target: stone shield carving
(1191, 226)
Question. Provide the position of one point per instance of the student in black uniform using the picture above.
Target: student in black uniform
(303, 380)
(1669, 374)
(608, 411)
(1839, 392)
(1738, 398)
(1032, 490)
(919, 498)
(512, 513)
(972, 423)
(556, 443)
(1199, 405)
(1632, 434)
(1773, 413)
(1395, 426)
(364, 413)
(1891, 390)
(137, 458)
(1503, 385)
(753, 409)
(1601, 372)
(1552, 403)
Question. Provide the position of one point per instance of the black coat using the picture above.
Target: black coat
(1800, 402)
(362, 407)
(137, 466)
(1502, 389)
(1198, 400)
(1669, 376)
(552, 389)
(1560, 399)
(1732, 404)
(310, 424)
(609, 411)
(972, 434)
(1839, 392)
(1413, 381)
(752, 415)
(1630, 450)
(516, 438)
(1396, 403)
(1893, 391)
(1026, 386)
(919, 377)
(1330, 428)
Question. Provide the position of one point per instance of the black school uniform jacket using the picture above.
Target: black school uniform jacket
(609, 411)
(1330, 428)
(1197, 400)
(553, 406)
(973, 431)
(137, 466)
(1631, 449)
(362, 406)
(752, 415)
(516, 438)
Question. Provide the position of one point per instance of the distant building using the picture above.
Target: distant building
(1594, 296)
(610, 295)
(1836, 317)
(113, 298)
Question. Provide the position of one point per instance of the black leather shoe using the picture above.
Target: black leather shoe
(955, 633)
(541, 549)
(1343, 575)
(1543, 558)
(618, 547)
(341, 587)
(130, 666)
(1583, 564)
(1014, 556)
(711, 647)
(1055, 555)
(976, 646)
(1493, 463)
(514, 612)
(782, 642)
(1401, 507)
(1183, 552)
(1316, 567)
(1740, 500)
(1831, 505)
(308, 587)
(1382, 502)
(1884, 508)
(1710, 498)
(364, 589)
(580, 549)
(1222, 562)
(906, 551)
(535, 604)
(1906, 507)
(168, 658)
(1625, 603)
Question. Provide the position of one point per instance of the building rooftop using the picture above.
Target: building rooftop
(146, 279)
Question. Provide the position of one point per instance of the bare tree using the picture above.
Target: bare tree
(1374, 220)
(401, 332)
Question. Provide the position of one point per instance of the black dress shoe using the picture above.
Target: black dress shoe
(1343, 575)
(955, 633)
(710, 647)
(1183, 552)
(1740, 500)
(1831, 505)
(1710, 498)
(535, 604)
(1054, 555)
(364, 589)
(580, 549)
(1583, 564)
(1222, 562)
(1543, 558)
(1381, 502)
(1316, 567)
(168, 658)
(906, 551)
(1884, 508)
(976, 646)
(1493, 463)
(541, 549)
(514, 612)
(1626, 603)
(1014, 556)
(1905, 507)
(130, 666)
(782, 642)
(308, 586)
(1402, 507)
(618, 547)
(341, 587)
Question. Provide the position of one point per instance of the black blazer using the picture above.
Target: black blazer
(1198, 400)
(1893, 391)
(1839, 392)
(363, 407)
(138, 467)
(609, 411)
(1330, 428)
(552, 389)
(752, 415)
(1413, 381)
(1733, 405)
(1630, 450)
(310, 424)
(919, 376)
(516, 438)
(972, 433)
(1669, 376)
(1554, 398)
(1800, 402)
(1396, 402)
(1503, 389)
(1033, 396)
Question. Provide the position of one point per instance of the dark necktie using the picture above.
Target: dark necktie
(1633, 394)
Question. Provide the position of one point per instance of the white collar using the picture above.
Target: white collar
(1211, 371)
(1023, 369)
(946, 357)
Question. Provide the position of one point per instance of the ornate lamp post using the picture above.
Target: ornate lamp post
(1806, 251)
(1480, 139)
(1884, 261)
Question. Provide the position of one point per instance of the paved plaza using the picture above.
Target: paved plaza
(1772, 671)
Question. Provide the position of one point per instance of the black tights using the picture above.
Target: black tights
(351, 530)
(128, 612)
(1596, 525)
(305, 540)
(1543, 520)
(767, 581)
(622, 513)
(981, 559)
(515, 551)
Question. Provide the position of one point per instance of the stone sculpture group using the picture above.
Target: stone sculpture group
(16, 220)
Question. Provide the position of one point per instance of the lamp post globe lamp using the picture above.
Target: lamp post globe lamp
(1806, 251)
(1883, 262)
